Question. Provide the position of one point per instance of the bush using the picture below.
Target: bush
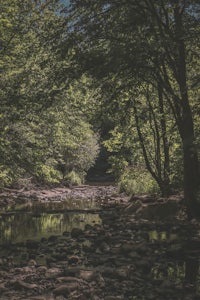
(72, 178)
(47, 174)
(137, 181)
(5, 177)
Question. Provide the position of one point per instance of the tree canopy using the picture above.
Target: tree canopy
(121, 73)
(150, 52)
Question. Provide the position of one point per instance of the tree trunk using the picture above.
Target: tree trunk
(166, 164)
(190, 157)
(191, 172)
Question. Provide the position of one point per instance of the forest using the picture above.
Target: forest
(91, 91)
(117, 75)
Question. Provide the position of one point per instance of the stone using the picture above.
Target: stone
(66, 289)
(88, 275)
(74, 259)
(20, 284)
(76, 232)
(53, 273)
(52, 238)
(41, 270)
(70, 279)
(158, 211)
(3, 289)
(133, 207)
(32, 244)
(32, 263)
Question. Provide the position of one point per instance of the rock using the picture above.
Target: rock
(100, 280)
(27, 270)
(127, 247)
(88, 275)
(32, 263)
(41, 270)
(3, 274)
(113, 298)
(70, 279)
(32, 244)
(59, 256)
(133, 207)
(122, 273)
(3, 289)
(66, 289)
(76, 232)
(158, 211)
(53, 273)
(74, 259)
(19, 284)
(104, 247)
(42, 297)
(52, 238)
(142, 248)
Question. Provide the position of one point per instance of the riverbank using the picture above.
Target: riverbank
(92, 191)
(122, 257)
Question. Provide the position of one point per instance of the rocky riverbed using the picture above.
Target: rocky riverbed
(132, 254)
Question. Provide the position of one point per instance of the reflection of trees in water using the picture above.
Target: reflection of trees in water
(182, 273)
(68, 204)
(174, 271)
(183, 269)
(35, 222)
(191, 273)
(192, 246)
(73, 220)
(20, 227)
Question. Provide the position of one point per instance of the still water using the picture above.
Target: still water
(36, 220)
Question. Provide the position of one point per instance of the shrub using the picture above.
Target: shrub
(47, 174)
(137, 181)
(5, 177)
(73, 178)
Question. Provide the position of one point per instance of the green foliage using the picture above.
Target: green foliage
(148, 69)
(117, 165)
(137, 181)
(5, 176)
(70, 80)
(48, 146)
(72, 178)
(44, 117)
(46, 174)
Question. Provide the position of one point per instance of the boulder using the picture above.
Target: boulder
(158, 211)
(133, 207)
(66, 289)
(76, 232)
(20, 284)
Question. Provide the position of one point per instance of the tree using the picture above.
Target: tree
(147, 42)
(173, 68)
(41, 126)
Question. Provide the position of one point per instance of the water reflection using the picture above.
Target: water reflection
(182, 266)
(54, 206)
(191, 273)
(37, 220)
(162, 235)
(174, 271)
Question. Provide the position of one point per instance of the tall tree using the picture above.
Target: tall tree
(148, 42)
(40, 123)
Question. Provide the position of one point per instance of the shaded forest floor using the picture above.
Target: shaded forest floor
(143, 249)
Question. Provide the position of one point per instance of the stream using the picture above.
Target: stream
(34, 220)
(88, 248)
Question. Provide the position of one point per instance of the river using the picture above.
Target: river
(86, 247)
